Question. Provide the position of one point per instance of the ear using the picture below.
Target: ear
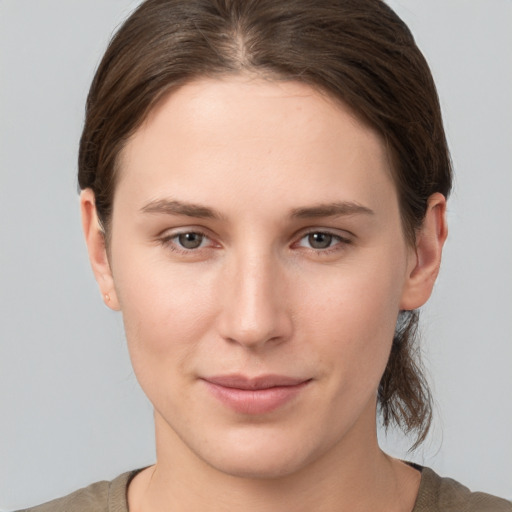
(425, 258)
(95, 240)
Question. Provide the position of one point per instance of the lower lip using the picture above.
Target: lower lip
(255, 401)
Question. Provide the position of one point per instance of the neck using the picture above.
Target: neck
(354, 476)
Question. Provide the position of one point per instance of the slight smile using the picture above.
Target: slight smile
(257, 395)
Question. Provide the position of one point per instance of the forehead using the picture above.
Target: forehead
(252, 102)
(242, 133)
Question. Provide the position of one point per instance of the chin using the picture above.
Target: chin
(260, 457)
(259, 467)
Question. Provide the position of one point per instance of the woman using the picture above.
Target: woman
(263, 197)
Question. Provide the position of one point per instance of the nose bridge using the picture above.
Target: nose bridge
(254, 307)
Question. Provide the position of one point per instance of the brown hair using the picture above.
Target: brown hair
(358, 51)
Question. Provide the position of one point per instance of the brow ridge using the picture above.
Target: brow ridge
(335, 209)
(173, 207)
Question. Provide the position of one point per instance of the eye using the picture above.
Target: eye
(321, 240)
(190, 240)
(186, 241)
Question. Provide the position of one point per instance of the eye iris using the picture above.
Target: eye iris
(190, 240)
(320, 240)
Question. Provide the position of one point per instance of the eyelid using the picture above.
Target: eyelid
(344, 235)
(170, 232)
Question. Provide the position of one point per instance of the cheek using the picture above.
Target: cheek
(167, 311)
(351, 316)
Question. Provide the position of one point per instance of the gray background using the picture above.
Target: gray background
(71, 411)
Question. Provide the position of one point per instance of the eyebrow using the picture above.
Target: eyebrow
(173, 207)
(336, 209)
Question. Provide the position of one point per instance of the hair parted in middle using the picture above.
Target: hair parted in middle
(358, 52)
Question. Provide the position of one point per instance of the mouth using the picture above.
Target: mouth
(255, 395)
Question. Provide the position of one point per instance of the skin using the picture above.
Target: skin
(260, 295)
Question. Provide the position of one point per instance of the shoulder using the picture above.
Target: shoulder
(437, 494)
(98, 497)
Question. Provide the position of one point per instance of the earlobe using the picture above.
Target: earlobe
(95, 240)
(426, 262)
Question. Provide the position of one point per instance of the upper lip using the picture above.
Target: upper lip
(254, 383)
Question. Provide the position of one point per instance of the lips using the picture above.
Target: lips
(257, 395)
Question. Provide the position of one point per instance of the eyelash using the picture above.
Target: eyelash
(171, 242)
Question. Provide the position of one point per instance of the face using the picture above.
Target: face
(259, 262)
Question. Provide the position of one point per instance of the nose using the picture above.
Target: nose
(255, 302)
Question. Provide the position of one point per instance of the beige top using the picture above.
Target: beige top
(435, 494)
